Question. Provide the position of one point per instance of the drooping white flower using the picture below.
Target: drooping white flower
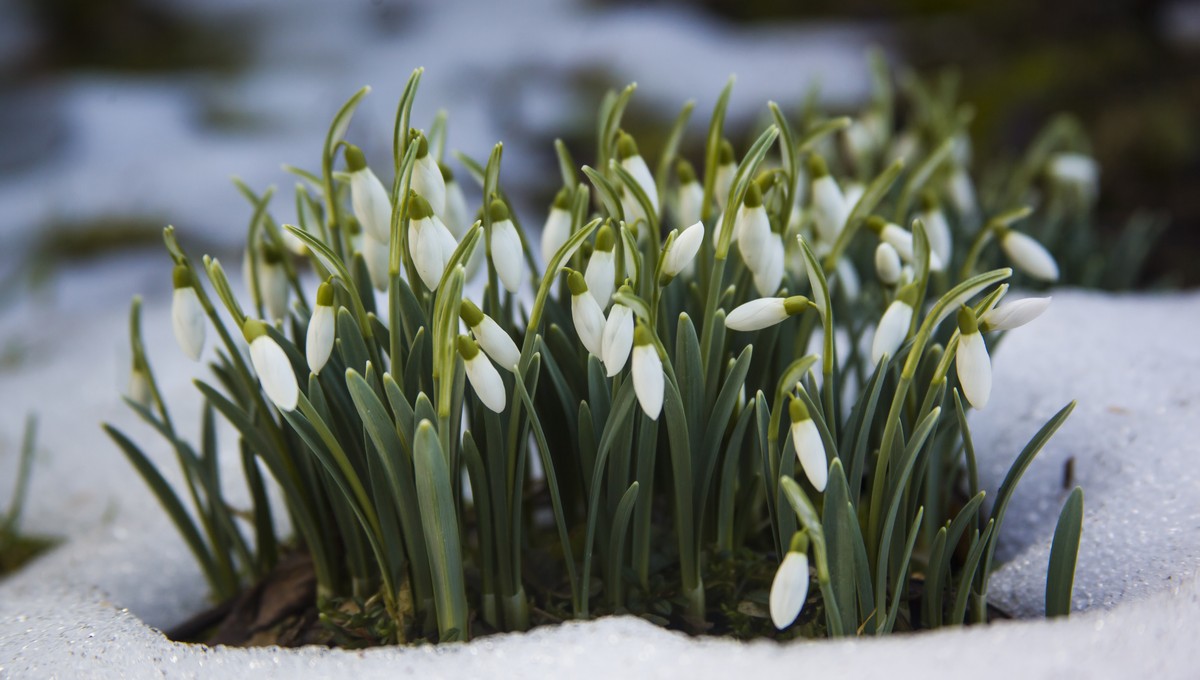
(1028, 255)
(647, 373)
(962, 192)
(887, 264)
(272, 366)
(769, 274)
(683, 250)
(482, 375)
(617, 339)
(829, 207)
(1014, 314)
(691, 194)
(369, 199)
(491, 337)
(273, 282)
(753, 228)
(140, 391)
(893, 327)
(902, 240)
(322, 328)
(427, 177)
(557, 229)
(726, 169)
(425, 242)
(1076, 171)
(810, 450)
(765, 312)
(601, 271)
(586, 314)
(847, 278)
(457, 216)
(376, 257)
(507, 255)
(187, 314)
(635, 214)
(635, 165)
(937, 228)
(789, 588)
(974, 366)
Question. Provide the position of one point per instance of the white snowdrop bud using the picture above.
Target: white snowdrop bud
(490, 336)
(457, 216)
(647, 372)
(810, 450)
(691, 194)
(974, 366)
(683, 250)
(893, 327)
(829, 207)
(507, 255)
(789, 588)
(187, 314)
(140, 391)
(752, 227)
(631, 207)
(273, 283)
(376, 257)
(1014, 314)
(369, 199)
(726, 169)
(962, 192)
(482, 375)
(1077, 171)
(617, 338)
(887, 264)
(425, 242)
(765, 312)
(322, 328)
(635, 165)
(586, 314)
(557, 229)
(272, 366)
(769, 274)
(902, 240)
(1028, 255)
(937, 228)
(601, 272)
(427, 176)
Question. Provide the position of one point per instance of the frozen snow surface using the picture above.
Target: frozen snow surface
(86, 609)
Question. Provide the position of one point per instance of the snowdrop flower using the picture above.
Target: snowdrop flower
(427, 176)
(376, 257)
(852, 192)
(682, 251)
(941, 242)
(902, 240)
(974, 366)
(726, 169)
(647, 372)
(635, 165)
(1077, 171)
(457, 216)
(752, 228)
(368, 197)
(601, 272)
(631, 207)
(140, 391)
(425, 242)
(491, 337)
(557, 229)
(1028, 255)
(273, 283)
(789, 588)
(507, 256)
(810, 450)
(769, 274)
(187, 314)
(1014, 314)
(893, 326)
(887, 264)
(318, 342)
(586, 314)
(765, 312)
(859, 138)
(829, 207)
(617, 339)
(847, 278)
(272, 366)
(962, 192)
(691, 194)
(904, 146)
(484, 378)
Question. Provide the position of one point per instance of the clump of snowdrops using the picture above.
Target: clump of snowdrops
(714, 395)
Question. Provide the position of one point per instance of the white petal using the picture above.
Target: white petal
(589, 322)
(900, 239)
(555, 233)
(756, 314)
(853, 192)
(847, 276)
(272, 281)
(636, 166)
(187, 320)
(600, 276)
(753, 233)
(274, 372)
(962, 192)
(318, 342)
(1014, 314)
(371, 204)
(1076, 169)
(507, 255)
(829, 208)
(1030, 256)
(446, 240)
(139, 388)
(486, 382)
(938, 230)
(498, 345)
(974, 369)
(892, 331)
(617, 339)
(691, 198)
(887, 264)
(648, 379)
(375, 255)
(789, 589)
(427, 181)
(426, 250)
(811, 452)
(769, 274)
(457, 216)
(683, 249)
(723, 183)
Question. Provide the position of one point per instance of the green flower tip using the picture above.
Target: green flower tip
(725, 153)
(253, 329)
(497, 211)
(797, 410)
(817, 167)
(967, 323)
(908, 294)
(799, 543)
(325, 294)
(447, 173)
(929, 200)
(626, 147)
(471, 315)
(754, 197)
(605, 239)
(416, 137)
(418, 207)
(353, 226)
(576, 283)
(355, 160)
(876, 223)
(796, 304)
(562, 200)
(181, 277)
(765, 179)
(687, 174)
(467, 348)
(642, 336)
(271, 253)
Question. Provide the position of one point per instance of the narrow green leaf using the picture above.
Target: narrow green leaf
(436, 499)
(1064, 551)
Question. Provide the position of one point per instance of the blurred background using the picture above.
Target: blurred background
(121, 116)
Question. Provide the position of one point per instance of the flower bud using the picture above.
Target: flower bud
(617, 338)
(482, 375)
(691, 194)
(369, 199)
(789, 588)
(1014, 314)
(765, 312)
(830, 208)
(810, 450)
(635, 165)
(683, 250)
(322, 328)
(187, 314)
(887, 264)
(1028, 255)
(726, 169)
(601, 272)
(974, 366)
(457, 216)
(491, 337)
(507, 255)
(647, 373)
(427, 176)
(586, 314)
(557, 229)
(272, 366)
(893, 327)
